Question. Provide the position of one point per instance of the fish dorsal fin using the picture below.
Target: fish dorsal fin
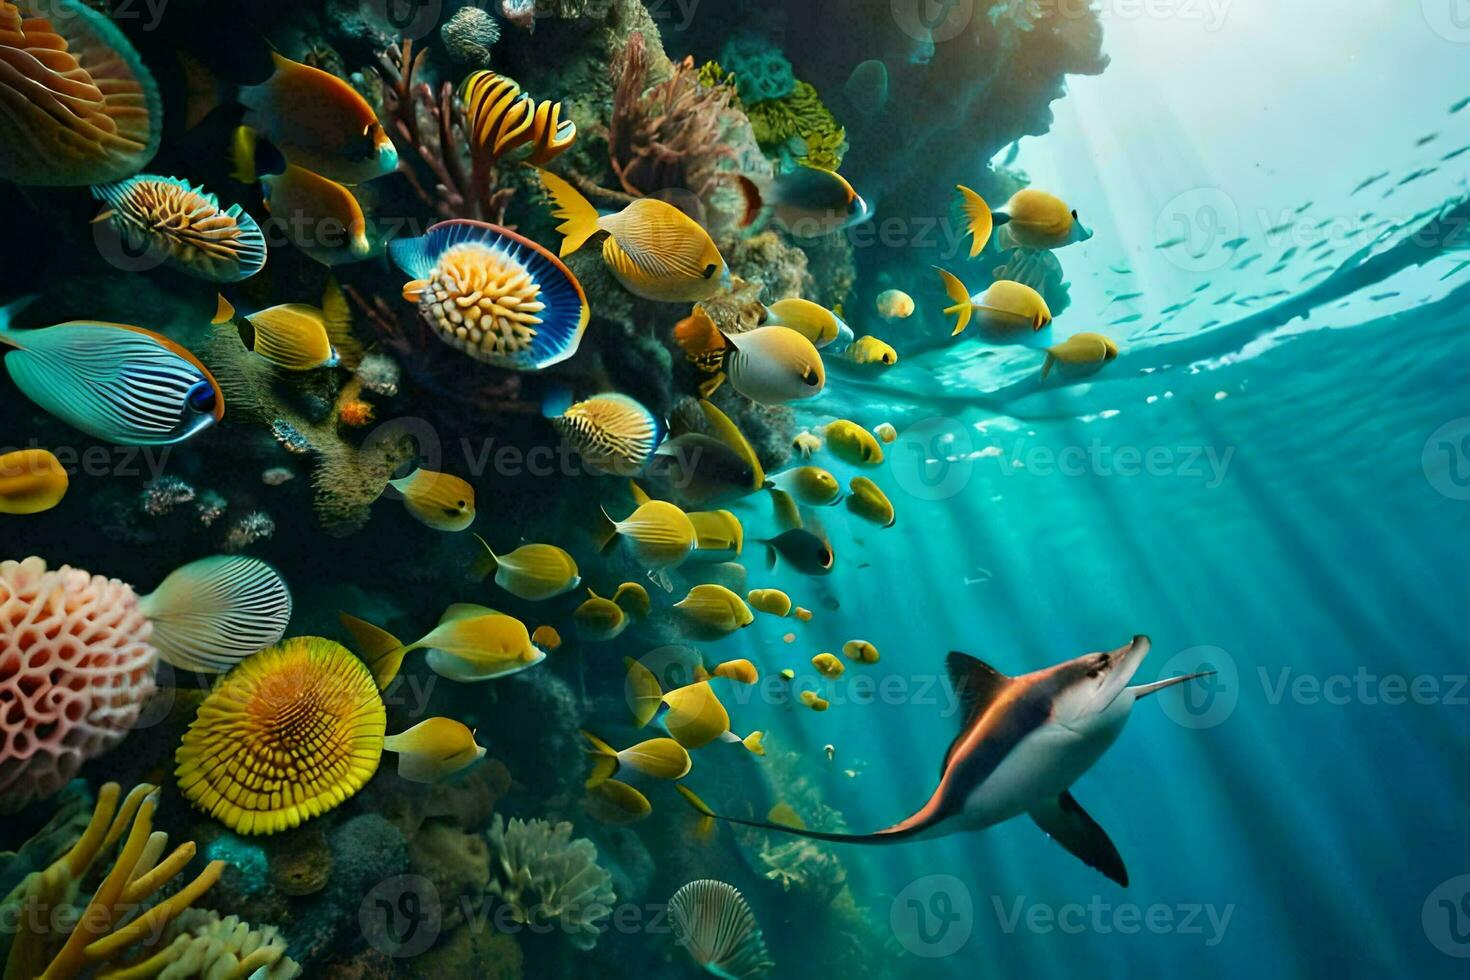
(729, 433)
(976, 683)
(640, 496)
(466, 610)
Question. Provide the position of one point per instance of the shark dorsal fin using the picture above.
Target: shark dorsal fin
(976, 683)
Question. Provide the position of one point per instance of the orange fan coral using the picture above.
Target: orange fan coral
(290, 733)
(76, 666)
(76, 104)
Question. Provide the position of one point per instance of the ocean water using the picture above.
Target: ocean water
(1271, 482)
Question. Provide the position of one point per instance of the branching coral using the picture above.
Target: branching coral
(201, 944)
(429, 126)
(111, 922)
(547, 878)
(668, 136)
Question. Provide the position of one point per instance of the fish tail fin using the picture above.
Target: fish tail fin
(486, 563)
(604, 760)
(606, 532)
(8, 312)
(754, 204)
(579, 217)
(556, 400)
(379, 649)
(962, 308)
(978, 219)
(640, 496)
(1051, 359)
(783, 507)
(770, 556)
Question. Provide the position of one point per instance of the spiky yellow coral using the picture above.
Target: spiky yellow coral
(800, 114)
(102, 932)
(290, 733)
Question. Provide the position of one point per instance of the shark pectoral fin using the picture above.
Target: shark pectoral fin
(1065, 822)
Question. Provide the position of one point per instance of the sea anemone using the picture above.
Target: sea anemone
(290, 733)
(547, 878)
(713, 922)
(80, 107)
(355, 413)
(183, 226)
(76, 667)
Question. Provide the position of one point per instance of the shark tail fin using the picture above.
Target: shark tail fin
(881, 837)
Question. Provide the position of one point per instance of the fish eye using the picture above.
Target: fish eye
(1074, 213)
(201, 397)
(710, 270)
(826, 557)
(810, 377)
(461, 504)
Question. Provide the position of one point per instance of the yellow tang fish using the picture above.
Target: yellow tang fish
(434, 750)
(853, 444)
(655, 250)
(470, 644)
(546, 637)
(827, 665)
(532, 572)
(292, 336)
(809, 484)
(633, 599)
(895, 304)
(320, 122)
(860, 650)
(885, 432)
(1030, 219)
(599, 619)
(1080, 355)
(616, 803)
(661, 758)
(320, 216)
(741, 671)
(870, 350)
(773, 602)
(814, 701)
(867, 501)
(712, 611)
(695, 716)
(718, 536)
(657, 534)
(814, 322)
(31, 481)
(442, 501)
(1007, 312)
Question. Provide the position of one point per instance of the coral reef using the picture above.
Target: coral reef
(201, 944)
(548, 878)
(762, 72)
(799, 128)
(469, 35)
(105, 929)
(75, 670)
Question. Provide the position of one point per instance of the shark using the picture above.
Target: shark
(1023, 742)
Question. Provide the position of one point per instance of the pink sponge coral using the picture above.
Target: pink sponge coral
(75, 669)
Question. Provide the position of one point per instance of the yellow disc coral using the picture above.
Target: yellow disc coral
(290, 733)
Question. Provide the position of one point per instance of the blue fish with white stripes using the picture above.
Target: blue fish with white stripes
(494, 295)
(118, 383)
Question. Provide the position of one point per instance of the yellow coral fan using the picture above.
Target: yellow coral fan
(289, 734)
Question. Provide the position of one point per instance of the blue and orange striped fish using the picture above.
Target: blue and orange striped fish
(118, 383)
(498, 297)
